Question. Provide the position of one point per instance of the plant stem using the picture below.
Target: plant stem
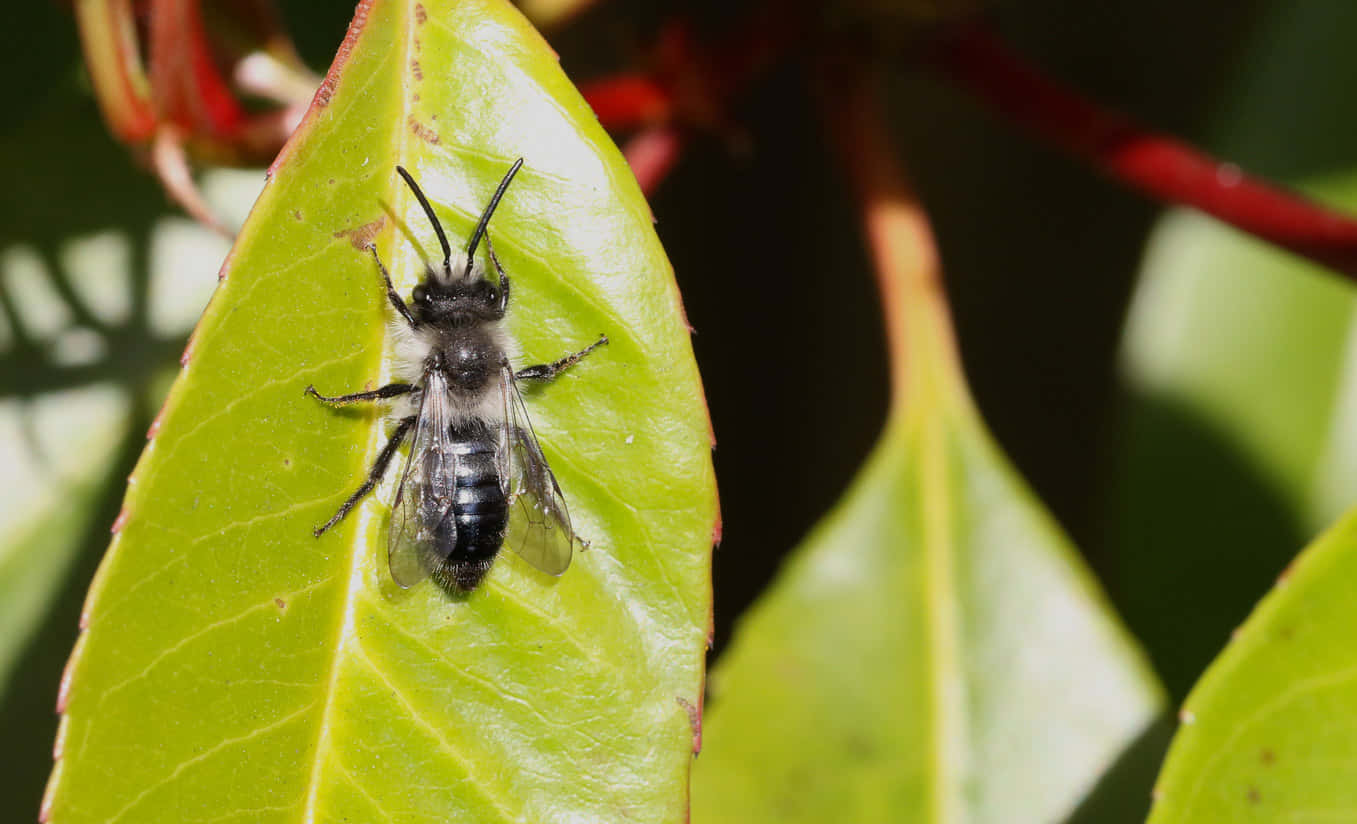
(1159, 166)
(900, 238)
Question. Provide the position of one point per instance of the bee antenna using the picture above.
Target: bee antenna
(489, 210)
(428, 210)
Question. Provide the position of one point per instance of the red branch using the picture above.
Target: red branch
(1161, 167)
(898, 232)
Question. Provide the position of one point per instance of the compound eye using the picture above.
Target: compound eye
(493, 295)
(420, 294)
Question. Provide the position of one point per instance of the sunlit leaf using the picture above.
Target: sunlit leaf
(935, 651)
(1267, 733)
(235, 668)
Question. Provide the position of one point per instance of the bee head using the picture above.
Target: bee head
(458, 302)
(448, 298)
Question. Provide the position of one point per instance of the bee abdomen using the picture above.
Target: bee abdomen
(479, 507)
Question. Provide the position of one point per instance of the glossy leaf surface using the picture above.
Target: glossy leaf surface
(1238, 445)
(935, 651)
(237, 669)
(1267, 733)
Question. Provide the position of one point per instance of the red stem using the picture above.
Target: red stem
(1161, 167)
(898, 231)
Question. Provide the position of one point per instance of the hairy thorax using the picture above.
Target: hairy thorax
(471, 355)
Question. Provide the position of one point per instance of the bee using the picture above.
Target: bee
(475, 476)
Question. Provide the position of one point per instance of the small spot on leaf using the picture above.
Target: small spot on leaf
(361, 237)
(421, 131)
(694, 719)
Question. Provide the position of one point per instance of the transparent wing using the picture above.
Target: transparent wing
(426, 490)
(539, 523)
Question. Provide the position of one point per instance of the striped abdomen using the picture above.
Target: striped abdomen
(479, 510)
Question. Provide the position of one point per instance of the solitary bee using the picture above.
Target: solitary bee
(474, 458)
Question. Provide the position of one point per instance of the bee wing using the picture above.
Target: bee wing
(539, 523)
(426, 490)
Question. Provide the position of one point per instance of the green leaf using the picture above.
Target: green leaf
(1266, 733)
(1240, 361)
(235, 668)
(935, 651)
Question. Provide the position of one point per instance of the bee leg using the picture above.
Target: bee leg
(547, 371)
(391, 390)
(374, 475)
(503, 278)
(391, 290)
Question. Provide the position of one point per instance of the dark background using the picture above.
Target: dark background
(1040, 255)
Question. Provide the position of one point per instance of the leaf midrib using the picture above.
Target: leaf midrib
(931, 404)
(358, 544)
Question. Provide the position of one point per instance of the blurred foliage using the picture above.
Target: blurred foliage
(1240, 367)
(935, 650)
(100, 282)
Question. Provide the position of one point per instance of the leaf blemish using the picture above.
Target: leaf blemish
(1267, 757)
(420, 14)
(421, 131)
(280, 602)
(694, 720)
(416, 70)
(361, 237)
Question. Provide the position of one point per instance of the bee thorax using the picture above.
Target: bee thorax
(470, 360)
